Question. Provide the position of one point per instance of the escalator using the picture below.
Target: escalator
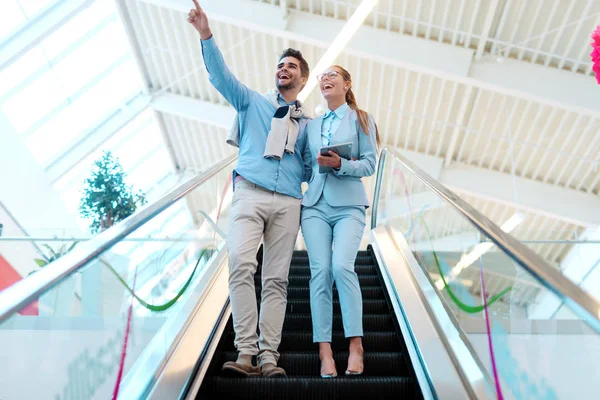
(141, 311)
(388, 370)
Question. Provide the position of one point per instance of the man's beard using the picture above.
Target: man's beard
(288, 86)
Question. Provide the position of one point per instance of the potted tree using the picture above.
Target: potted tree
(106, 200)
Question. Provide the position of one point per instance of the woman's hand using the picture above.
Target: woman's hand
(332, 160)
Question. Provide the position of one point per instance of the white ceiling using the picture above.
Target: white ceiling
(498, 95)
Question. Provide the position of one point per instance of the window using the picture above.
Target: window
(11, 17)
(71, 82)
(68, 86)
(15, 13)
(32, 7)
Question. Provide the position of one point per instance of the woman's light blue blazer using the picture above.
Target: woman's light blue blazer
(343, 187)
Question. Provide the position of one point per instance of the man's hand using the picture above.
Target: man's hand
(199, 21)
(332, 160)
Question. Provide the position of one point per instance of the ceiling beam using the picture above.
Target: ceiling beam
(568, 205)
(466, 107)
(563, 89)
(535, 197)
(573, 92)
(321, 31)
(134, 45)
(487, 27)
(194, 109)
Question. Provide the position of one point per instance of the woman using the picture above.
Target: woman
(333, 213)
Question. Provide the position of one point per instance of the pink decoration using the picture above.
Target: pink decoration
(596, 36)
(595, 54)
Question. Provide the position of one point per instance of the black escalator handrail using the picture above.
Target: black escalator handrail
(22, 293)
(582, 303)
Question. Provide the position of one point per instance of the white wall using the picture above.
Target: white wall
(69, 358)
(27, 194)
(25, 189)
(565, 363)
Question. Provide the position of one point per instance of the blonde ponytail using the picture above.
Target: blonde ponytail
(363, 116)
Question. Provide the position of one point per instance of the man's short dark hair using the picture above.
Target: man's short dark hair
(304, 69)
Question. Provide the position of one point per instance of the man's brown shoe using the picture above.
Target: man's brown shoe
(270, 370)
(234, 368)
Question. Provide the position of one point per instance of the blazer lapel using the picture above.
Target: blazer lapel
(315, 134)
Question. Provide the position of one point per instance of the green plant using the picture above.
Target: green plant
(53, 255)
(106, 198)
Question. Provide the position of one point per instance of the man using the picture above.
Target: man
(269, 132)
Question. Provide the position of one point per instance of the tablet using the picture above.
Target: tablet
(344, 150)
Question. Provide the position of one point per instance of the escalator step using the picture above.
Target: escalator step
(305, 363)
(299, 306)
(371, 323)
(304, 253)
(299, 341)
(303, 323)
(303, 280)
(367, 269)
(360, 260)
(368, 292)
(302, 388)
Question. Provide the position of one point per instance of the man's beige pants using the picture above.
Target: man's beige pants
(256, 212)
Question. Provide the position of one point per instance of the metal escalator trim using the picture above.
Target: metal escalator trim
(377, 191)
(449, 326)
(414, 353)
(436, 362)
(20, 294)
(582, 303)
(192, 387)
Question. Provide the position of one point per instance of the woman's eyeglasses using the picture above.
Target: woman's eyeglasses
(330, 75)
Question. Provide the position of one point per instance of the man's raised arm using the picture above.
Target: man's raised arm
(236, 93)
